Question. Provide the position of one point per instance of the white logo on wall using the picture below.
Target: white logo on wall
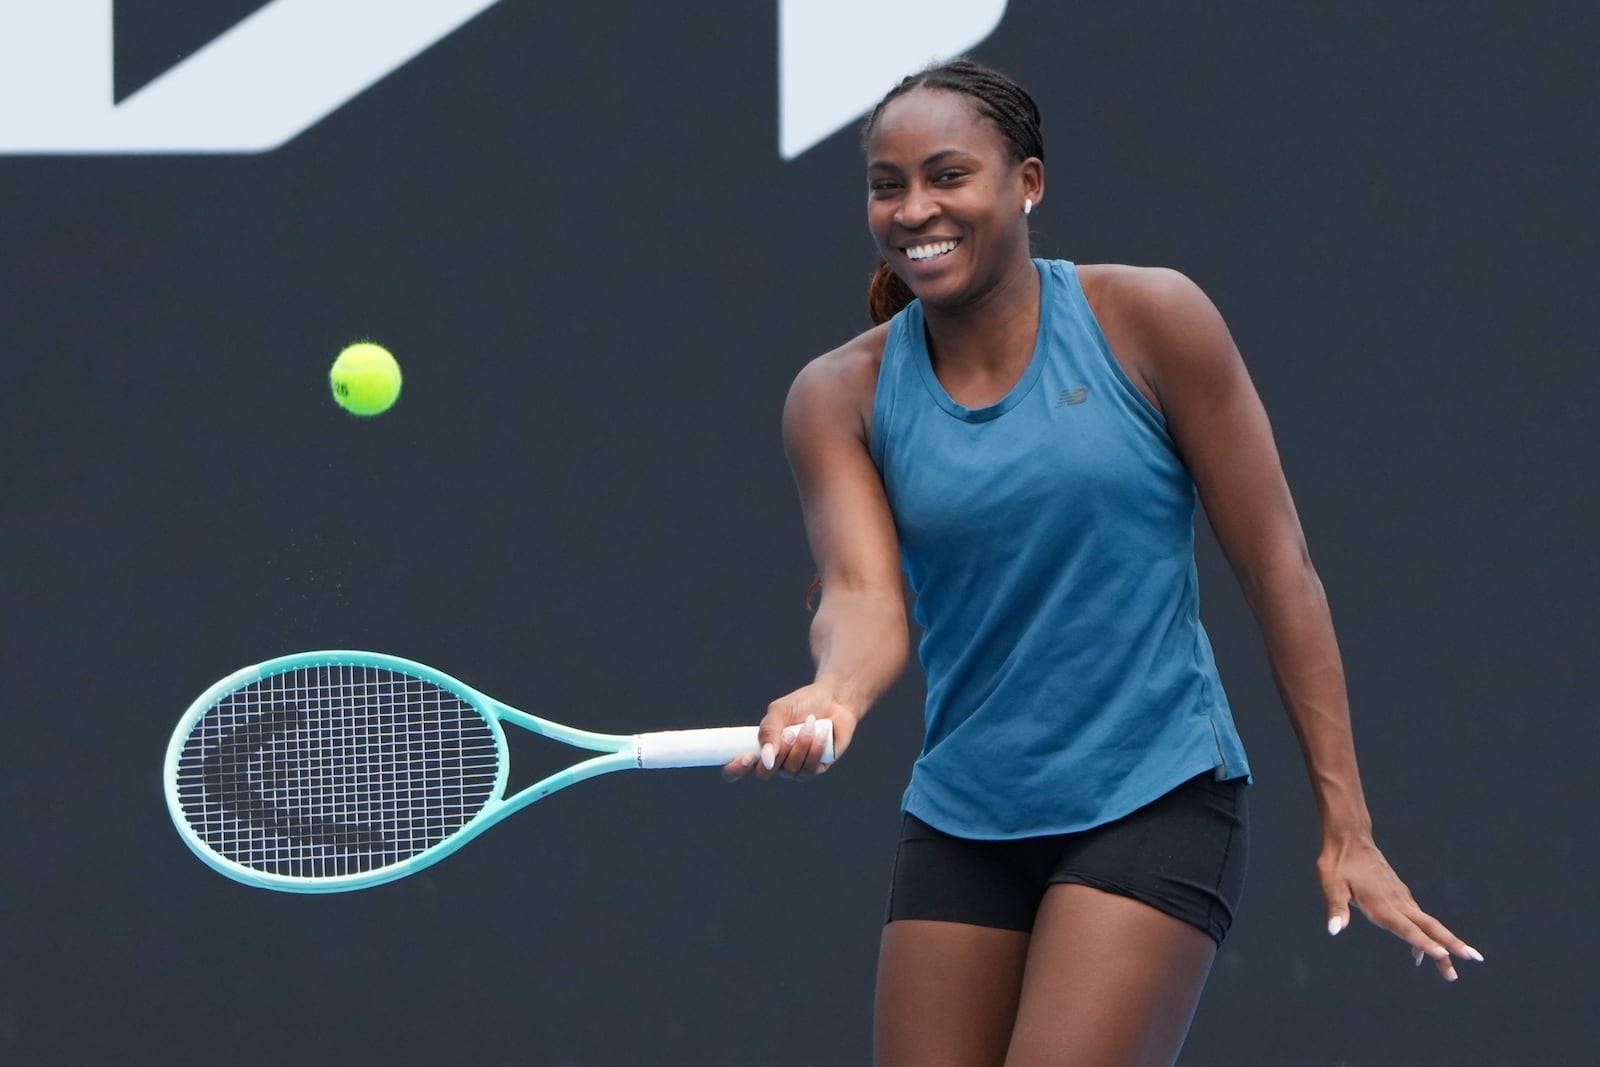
(293, 62)
(836, 58)
(261, 83)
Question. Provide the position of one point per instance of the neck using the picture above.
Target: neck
(993, 331)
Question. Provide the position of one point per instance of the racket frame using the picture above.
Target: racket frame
(618, 752)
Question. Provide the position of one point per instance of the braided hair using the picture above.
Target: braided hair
(998, 99)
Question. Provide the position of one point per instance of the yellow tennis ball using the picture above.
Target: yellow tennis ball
(365, 379)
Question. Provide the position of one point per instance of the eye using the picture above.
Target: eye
(946, 177)
(881, 186)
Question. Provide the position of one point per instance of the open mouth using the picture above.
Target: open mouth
(931, 251)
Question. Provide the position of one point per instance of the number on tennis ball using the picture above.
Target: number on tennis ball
(365, 379)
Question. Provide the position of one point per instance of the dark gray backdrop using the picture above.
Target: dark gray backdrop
(573, 227)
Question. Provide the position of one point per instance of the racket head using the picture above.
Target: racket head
(328, 771)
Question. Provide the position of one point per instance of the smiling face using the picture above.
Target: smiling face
(945, 197)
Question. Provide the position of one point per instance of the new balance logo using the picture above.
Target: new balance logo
(1073, 396)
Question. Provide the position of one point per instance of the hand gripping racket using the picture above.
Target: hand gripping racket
(328, 771)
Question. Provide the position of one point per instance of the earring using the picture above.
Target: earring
(1027, 205)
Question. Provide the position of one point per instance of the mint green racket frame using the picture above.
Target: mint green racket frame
(618, 752)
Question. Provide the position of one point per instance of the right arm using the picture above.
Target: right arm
(859, 638)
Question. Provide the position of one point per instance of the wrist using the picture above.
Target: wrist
(842, 698)
(1347, 829)
(1341, 807)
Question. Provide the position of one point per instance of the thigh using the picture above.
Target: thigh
(954, 944)
(1109, 982)
(947, 994)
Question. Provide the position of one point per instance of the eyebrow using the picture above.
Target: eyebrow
(933, 160)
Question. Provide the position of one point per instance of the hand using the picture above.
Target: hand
(1354, 870)
(791, 746)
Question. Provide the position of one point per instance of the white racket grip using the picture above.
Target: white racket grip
(705, 748)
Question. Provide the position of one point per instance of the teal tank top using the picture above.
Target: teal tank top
(1049, 540)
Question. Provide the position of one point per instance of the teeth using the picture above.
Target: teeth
(940, 248)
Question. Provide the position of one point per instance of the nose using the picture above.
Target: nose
(916, 209)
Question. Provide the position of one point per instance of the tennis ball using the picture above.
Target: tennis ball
(365, 379)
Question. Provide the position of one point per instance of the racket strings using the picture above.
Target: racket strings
(330, 770)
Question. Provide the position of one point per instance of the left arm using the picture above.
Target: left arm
(1180, 352)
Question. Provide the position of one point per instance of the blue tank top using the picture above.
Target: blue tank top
(1049, 539)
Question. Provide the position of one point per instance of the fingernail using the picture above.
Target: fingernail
(1335, 924)
(1473, 953)
(1417, 956)
(747, 760)
(769, 755)
(1450, 974)
(790, 733)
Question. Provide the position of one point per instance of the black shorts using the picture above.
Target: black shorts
(1183, 854)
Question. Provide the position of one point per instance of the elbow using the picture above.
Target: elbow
(1289, 574)
(872, 621)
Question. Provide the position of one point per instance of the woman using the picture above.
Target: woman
(1028, 438)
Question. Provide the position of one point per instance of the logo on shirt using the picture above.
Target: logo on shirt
(1072, 397)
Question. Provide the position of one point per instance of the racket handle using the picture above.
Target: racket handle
(705, 748)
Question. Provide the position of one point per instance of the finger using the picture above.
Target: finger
(1443, 963)
(812, 751)
(819, 748)
(1338, 912)
(1423, 945)
(1442, 945)
(797, 738)
(736, 769)
(769, 737)
(1426, 947)
(1394, 919)
(1443, 936)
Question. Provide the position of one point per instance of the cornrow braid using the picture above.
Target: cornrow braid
(998, 99)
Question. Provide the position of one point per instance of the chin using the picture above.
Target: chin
(950, 291)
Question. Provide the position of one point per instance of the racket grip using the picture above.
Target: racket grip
(705, 748)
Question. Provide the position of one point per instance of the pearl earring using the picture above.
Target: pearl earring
(1027, 205)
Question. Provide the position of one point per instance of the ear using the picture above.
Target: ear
(1031, 173)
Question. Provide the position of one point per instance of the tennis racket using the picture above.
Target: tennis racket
(329, 771)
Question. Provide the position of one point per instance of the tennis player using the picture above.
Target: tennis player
(1028, 439)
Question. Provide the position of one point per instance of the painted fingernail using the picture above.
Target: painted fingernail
(790, 733)
(1450, 974)
(747, 760)
(1473, 953)
(1417, 956)
(769, 755)
(1335, 924)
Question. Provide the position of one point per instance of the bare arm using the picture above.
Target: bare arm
(1184, 356)
(858, 636)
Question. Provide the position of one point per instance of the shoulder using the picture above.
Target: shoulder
(837, 387)
(1152, 297)
(1156, 320)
